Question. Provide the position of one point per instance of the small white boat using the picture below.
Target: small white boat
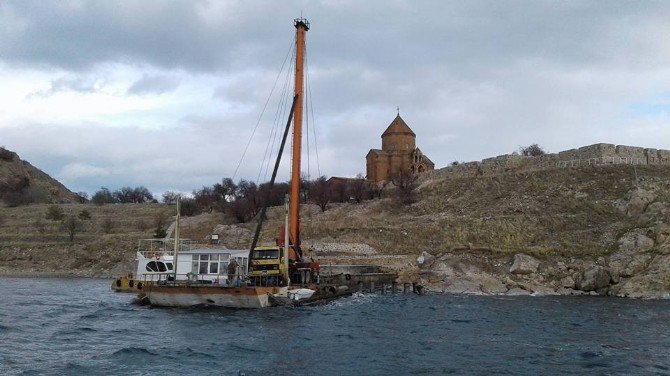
(299, 294)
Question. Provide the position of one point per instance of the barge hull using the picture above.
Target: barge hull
(218, 296)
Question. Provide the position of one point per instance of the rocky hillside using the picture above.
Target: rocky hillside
(582, 230)
(594, 229)
(22, 183)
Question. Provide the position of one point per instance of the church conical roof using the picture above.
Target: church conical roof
(398, 126)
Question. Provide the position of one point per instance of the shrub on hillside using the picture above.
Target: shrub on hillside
(533, 150)
(141, 225)
(84, 214)
(55, 213)
(159, 224)
(39, 226)
(6, 155)
(107, 225)
(160, 233)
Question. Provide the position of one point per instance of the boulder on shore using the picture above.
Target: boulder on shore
(425, 259)
(592, 279)
(524, 264)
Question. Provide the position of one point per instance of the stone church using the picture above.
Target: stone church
(398, 153)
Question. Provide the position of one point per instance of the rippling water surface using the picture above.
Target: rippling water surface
(78, 326)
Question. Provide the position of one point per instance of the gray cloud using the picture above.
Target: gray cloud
(473, 79)
(153, 84)
(74, 83)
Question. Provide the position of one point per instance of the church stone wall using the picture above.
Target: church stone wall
(598, 154)
(398, 142)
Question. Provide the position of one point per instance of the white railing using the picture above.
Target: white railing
(149, 248)
(198, 279)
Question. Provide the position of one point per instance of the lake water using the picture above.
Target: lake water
(80, 327)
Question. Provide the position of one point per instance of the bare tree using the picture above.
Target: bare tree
(356, 188)
(242, 209)
(533, 150)
(102, 197)
(338, 191)
(170, 197)
(406, 183)
(319, 192)
(72, 225)
(376, 189)
(82, 197)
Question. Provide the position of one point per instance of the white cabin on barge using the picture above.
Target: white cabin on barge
(196, 263)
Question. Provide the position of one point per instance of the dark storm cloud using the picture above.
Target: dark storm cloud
(473, 79)
(209, 35)
(76, 35)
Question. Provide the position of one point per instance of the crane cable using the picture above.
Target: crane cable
(246, 148)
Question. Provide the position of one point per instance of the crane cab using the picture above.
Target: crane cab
(267, 266)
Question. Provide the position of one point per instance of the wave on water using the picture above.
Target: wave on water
(133, 352)
(189, 352)
(72, 332)
(243, 348)
(357, 298)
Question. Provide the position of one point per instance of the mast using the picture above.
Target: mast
(176, 239)
(301, 25)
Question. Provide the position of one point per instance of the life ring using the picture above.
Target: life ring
(139, 286)
(131, 283)
(118, 282)
(347, 277)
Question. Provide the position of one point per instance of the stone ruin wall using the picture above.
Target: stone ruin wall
(597, 154)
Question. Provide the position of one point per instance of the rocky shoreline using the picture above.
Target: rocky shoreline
(632, 272)
(639, 268)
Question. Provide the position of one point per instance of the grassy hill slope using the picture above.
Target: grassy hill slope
(21, 182)
(577, 216)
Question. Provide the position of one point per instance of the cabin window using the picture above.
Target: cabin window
(157, 266)
(266, 254)
(209, 264)
(152, 267)
(169, 265)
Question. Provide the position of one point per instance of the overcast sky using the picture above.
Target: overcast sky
(166, 94)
